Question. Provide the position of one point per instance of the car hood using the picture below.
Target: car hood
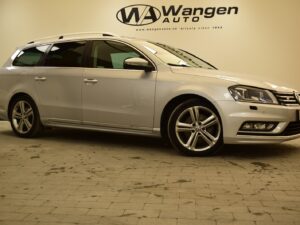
(233, 77)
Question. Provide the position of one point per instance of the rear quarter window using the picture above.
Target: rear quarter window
(30, 56)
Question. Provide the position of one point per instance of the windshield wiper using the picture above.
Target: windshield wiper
(179, 65)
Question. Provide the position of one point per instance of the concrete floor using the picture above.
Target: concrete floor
(82, 177)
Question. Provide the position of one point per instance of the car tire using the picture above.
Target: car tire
(195, 128)
(24, 117)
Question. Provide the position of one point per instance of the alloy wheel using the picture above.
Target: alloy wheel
(198, 128)
(22, 117)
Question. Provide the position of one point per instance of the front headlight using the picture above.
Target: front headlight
(251, 94)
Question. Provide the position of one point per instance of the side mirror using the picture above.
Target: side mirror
(137, 64)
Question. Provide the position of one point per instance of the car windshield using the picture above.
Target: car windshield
(176, 57)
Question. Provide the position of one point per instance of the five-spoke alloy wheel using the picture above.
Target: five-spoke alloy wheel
(195, 128)
(24, 117)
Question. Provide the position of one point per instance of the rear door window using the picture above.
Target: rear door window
(30, 56)
(68, 54)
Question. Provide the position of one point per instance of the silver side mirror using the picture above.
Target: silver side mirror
(137, 64)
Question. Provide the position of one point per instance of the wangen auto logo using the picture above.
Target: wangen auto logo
(138, 15)
(141, 14)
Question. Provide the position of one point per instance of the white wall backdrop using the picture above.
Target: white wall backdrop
(261, 40)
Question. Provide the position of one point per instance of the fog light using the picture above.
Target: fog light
(258, 126)
(247, 126)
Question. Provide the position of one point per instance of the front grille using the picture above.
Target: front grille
(292, 129)
(288, 99)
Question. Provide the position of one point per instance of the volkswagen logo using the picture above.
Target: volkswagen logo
(138, 15)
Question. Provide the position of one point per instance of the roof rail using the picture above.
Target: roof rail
(70, 35)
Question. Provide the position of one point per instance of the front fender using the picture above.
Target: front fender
(213, 90)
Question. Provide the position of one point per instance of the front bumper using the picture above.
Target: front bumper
(234, 114)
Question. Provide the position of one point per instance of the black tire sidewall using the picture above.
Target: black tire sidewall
(172, 127)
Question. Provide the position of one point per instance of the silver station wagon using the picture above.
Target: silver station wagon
(118, 84)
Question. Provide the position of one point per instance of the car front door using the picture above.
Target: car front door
(113, 96)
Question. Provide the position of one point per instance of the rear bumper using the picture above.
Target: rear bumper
(234, 114)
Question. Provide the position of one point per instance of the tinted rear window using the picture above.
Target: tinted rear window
(68, 54)
(30, 56)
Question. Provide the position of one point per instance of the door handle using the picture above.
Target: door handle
(40, 78)
(90, 81)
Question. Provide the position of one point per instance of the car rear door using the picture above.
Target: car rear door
(58, 83)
